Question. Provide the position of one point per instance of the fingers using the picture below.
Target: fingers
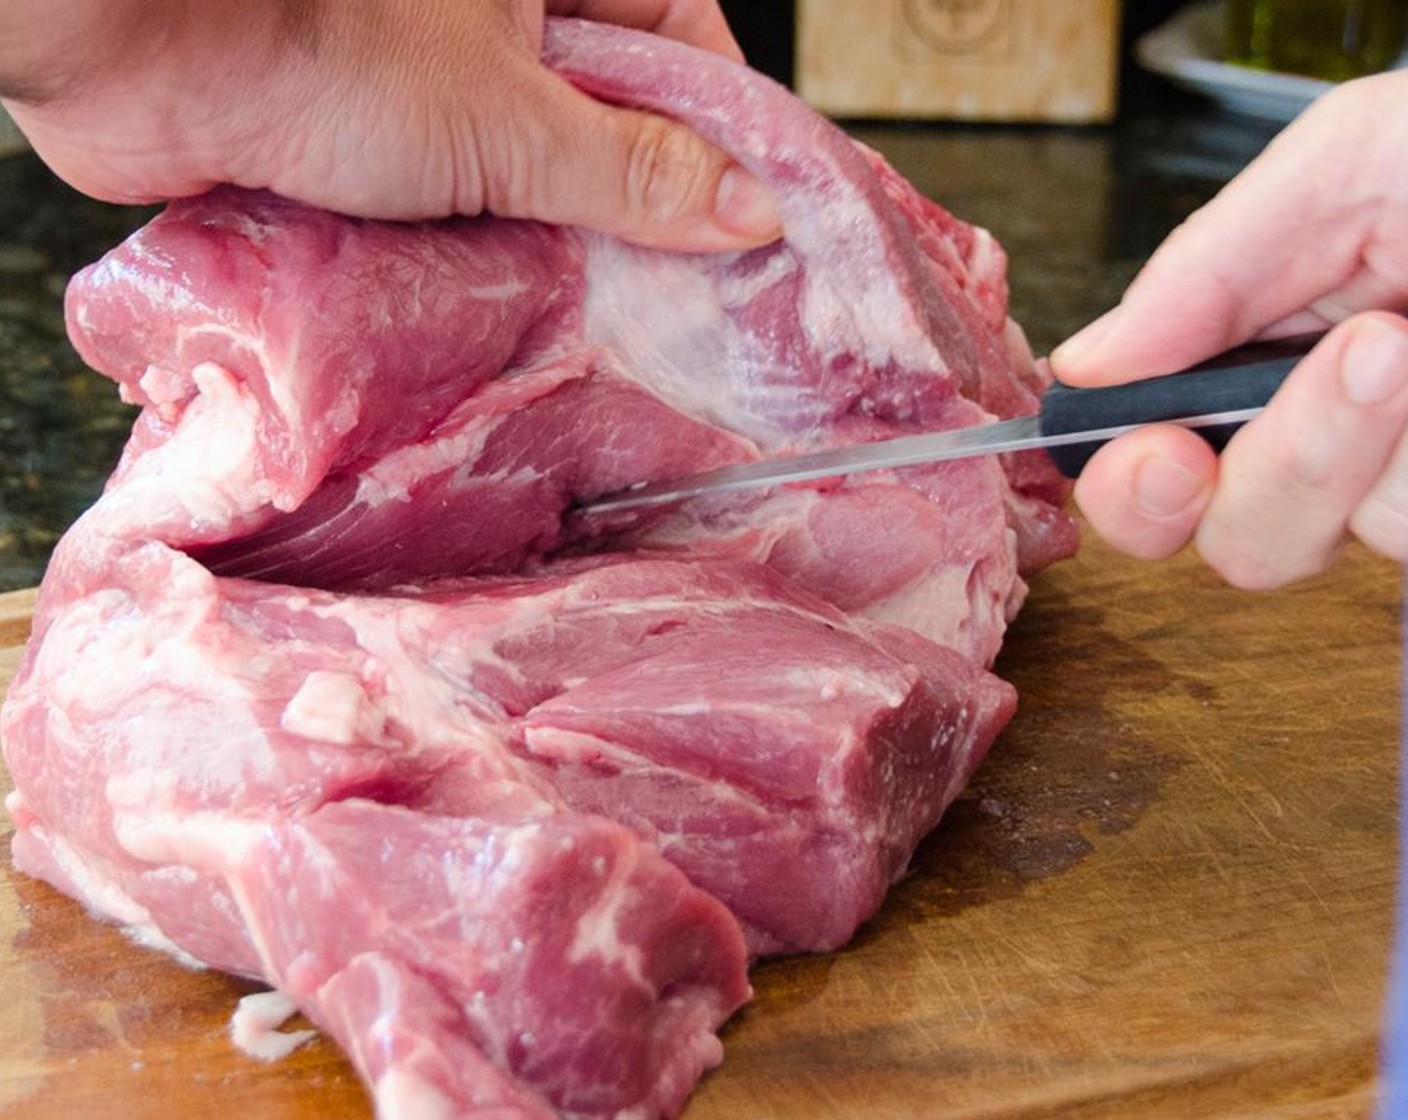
(699, 23)
(1301, 227)
(570, 159)
(1322, 461)
(1311, 234)
(1145, 492)
(1381, 519)
(1326, 459)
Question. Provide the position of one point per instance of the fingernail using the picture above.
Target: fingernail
(1163, 487)
(744, 205)
(1078, 349)
(1375, 363)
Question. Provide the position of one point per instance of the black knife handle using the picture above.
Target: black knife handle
(1242, 378)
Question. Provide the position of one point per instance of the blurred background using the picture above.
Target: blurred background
(766, 29)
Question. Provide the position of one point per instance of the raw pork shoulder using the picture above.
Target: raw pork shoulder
(331, 689)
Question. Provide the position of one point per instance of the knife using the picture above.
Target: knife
(1215, 398)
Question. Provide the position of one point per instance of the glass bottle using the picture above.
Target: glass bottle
(1330, 39)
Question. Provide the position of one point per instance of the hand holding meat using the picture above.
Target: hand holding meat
(392, 109)
(1313, 234)
(502, 801)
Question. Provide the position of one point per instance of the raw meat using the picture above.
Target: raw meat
(332, 689)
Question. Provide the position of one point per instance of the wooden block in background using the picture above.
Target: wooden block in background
(1000, 60)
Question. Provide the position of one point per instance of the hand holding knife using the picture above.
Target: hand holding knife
(1214, 397)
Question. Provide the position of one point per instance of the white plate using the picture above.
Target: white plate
(1187, 50)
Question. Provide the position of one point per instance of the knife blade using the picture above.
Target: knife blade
(1214, 398)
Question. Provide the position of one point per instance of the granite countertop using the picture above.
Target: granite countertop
(1078, 210)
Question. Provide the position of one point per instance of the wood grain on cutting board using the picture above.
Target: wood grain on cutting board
(1167, 894)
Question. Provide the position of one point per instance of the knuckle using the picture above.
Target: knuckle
(668, 172)
(505, 172)
(1312, 462)
(1277, 452)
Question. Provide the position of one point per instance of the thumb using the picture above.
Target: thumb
(567, 158)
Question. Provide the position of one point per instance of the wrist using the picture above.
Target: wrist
(142, 100)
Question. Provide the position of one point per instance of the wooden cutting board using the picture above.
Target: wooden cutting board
(1167, 895)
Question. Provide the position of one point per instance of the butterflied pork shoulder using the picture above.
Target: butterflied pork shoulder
(331, 688)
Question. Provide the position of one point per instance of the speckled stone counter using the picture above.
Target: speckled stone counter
(1078, 211)
(61, 426)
